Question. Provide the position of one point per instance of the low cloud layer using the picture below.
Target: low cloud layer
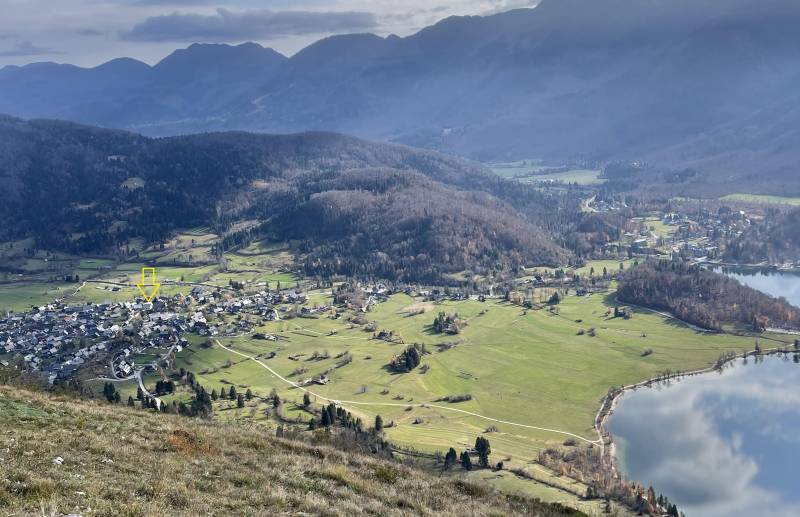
(227, 25)
(26, 48)
(90, 32)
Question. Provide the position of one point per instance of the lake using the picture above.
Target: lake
(775, 283)
(720, 444)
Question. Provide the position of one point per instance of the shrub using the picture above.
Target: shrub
(454, 399)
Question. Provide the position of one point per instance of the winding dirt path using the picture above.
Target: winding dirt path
(444, 408)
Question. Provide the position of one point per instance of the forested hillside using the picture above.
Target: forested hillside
(776, 240)
(355, 207)
(704, 298)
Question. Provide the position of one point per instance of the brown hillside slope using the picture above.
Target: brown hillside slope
(118, 461)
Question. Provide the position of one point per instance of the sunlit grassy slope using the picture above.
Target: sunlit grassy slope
(118, 461)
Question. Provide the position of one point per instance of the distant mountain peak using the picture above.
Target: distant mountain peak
(211, 53)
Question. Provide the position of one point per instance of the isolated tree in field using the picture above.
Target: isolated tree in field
(232, 393)
(249, 394)
(450, 458)
(466, 461)
(240, 401)
(378, 423)
(306, 400)
(222, 392)
(484, 450)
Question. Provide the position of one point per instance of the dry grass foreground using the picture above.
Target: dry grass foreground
(118, 461)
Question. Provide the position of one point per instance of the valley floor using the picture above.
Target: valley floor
(535, 378)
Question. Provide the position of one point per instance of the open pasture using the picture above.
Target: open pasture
(532, 368)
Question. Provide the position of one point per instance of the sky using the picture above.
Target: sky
(91, 32)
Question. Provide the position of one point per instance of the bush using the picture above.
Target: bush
(387, 474)
(454, 399)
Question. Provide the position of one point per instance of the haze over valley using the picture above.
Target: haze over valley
(520, 261)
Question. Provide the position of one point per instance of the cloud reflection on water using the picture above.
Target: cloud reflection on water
(718, 445)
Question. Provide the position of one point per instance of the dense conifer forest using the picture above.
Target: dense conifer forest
(702, 297)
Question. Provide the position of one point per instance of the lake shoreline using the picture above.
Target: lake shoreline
(611, 401)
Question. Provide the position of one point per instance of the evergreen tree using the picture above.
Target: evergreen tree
(466, 461)
(306, 399)
(378, 423)
(326, 418)
(232, 393)
(131, 403)
(450, 458)
(240, 401)
(331, 413)
(484, 450)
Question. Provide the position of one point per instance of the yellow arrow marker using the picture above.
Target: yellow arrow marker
(148, 285)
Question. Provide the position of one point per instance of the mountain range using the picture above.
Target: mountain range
(710, 85)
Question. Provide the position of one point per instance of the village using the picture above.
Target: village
(57, 340)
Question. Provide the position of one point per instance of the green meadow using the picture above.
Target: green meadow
(524, 367)
(528, 171)
(763, 199)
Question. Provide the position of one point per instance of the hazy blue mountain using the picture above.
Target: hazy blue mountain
(680, 82)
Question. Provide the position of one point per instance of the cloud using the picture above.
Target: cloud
(259, 24)
(89, 32)
(175, 2)
(26, 48)
(714, 443)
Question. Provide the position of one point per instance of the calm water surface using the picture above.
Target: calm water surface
(723, 444)
(775, 283)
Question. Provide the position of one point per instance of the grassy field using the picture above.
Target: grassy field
(20, 296)
(755, 198)
(530, 368)
(579, 176)
(529, 171)
(62, 456)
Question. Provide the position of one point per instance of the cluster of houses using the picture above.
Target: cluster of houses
(699, 235)
(57, 339)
